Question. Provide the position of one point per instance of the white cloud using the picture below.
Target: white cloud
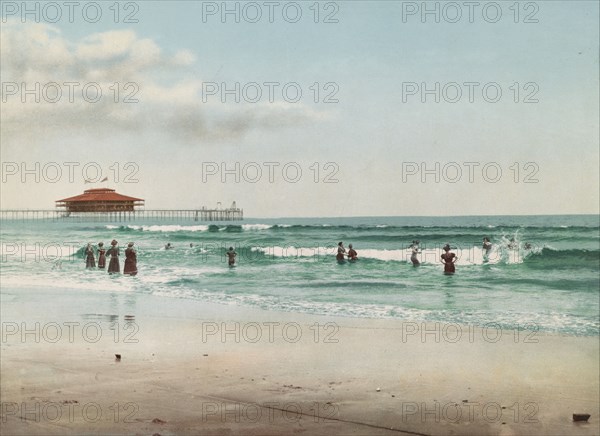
(107, 45)
(108, 61)
(29, 52)
(184, 57)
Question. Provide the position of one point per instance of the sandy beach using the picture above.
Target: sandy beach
(299, 218)
(189, 367)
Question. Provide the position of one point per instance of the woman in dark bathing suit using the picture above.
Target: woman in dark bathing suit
(340, 252)
(90, 261)
(113, 265)
(352, 254)
(448, 260)
(130, 266)
(101, 256)
(231, 254)
(414, 247)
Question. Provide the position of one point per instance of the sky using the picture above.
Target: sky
(304, 109)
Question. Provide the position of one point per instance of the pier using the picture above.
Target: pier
(203, 214)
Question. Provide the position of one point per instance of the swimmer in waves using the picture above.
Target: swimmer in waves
(101, 255)
(231, 254)
(448, 259)
(352, 254)
(90, 261)
(130, 266)
(487, 247)
(340, 252)
(414, 247)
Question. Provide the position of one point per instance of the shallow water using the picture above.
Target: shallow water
(289, 264)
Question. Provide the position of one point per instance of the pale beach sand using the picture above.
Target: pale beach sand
(272, 374)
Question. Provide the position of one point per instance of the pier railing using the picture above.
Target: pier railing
(138, 215)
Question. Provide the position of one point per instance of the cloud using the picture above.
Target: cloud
(107, 45)
(138, 87)
(184, 57)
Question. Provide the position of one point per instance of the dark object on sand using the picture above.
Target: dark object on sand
(581, 416)
(158, 421)
(118, 357)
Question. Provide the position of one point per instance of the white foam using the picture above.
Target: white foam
(294, 252)
(36, 251)
(170, 228)
(465, 256)
(256, 226)
(385, 255)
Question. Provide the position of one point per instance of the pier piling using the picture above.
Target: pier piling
(120, 216)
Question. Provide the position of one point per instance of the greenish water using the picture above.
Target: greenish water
(289, 264)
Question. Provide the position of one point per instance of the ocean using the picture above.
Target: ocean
(551, 285)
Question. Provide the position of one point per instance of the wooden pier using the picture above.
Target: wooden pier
(175, 215)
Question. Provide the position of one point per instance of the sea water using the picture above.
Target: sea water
(541, 273)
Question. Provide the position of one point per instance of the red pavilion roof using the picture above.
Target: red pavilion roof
(99, 194)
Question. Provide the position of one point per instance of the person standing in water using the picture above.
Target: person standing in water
(101, 255)
(130, 266)
(487, 245)
(352, 254)
(448, 259)
(414, 247)
(113, 265)
(231, 254)
(340, 252)
(90, 261)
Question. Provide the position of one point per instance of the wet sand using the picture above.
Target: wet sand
(188, 367)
